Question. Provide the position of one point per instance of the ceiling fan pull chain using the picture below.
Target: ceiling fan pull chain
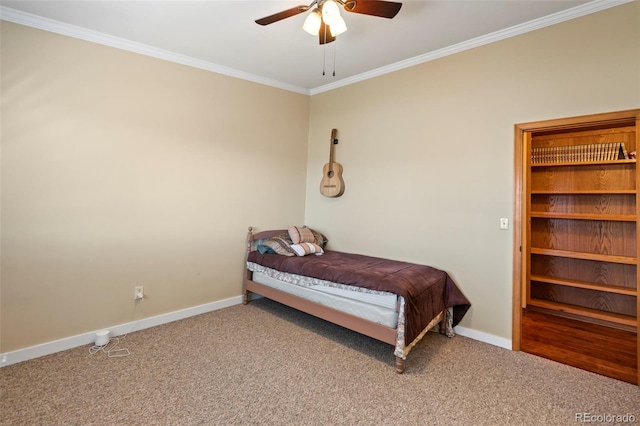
(324, 51)
(324, 57)
(334, 57)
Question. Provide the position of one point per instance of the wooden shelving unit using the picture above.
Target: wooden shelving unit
(579, 246)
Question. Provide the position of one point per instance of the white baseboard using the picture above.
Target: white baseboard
(483, 337)
(48, 348)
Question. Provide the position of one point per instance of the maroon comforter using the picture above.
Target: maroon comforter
(427, 291)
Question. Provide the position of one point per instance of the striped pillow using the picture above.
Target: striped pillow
(280, 245)
(304, 249)
(301, 235)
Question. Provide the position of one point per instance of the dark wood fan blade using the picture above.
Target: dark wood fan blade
(383, 9)
(324, 34)
(282, 15)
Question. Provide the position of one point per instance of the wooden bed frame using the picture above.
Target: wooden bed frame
(368, 328)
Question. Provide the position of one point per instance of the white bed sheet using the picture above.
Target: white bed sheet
(334, 299)
(384, 299)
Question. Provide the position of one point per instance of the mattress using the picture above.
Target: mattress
(379, 307)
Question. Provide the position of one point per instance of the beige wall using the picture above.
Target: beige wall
(121, 170)
(428, 151)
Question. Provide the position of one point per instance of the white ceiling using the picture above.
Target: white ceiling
(222, 36)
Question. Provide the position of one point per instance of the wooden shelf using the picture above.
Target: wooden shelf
(586, 216)
(582, 284)
(627, 320)
(579, 243)
(583, 191)
(586, 256)
(584, 163)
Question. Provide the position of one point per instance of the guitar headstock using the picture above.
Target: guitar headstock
(334, 139)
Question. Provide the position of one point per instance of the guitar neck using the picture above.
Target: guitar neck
(332, 142)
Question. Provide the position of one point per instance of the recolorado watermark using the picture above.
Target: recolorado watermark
(605, 418)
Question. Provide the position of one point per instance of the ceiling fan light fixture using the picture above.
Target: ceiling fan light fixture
(312, 23)
(338, 27)
(330, 12)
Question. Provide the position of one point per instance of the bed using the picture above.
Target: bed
(391, 301)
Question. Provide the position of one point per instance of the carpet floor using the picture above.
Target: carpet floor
(265, 363)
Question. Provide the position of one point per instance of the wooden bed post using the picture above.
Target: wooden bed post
(247, 274)
(443, 322)
(249, 238)
(399, 365)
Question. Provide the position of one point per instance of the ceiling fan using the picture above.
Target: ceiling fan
(325, 20)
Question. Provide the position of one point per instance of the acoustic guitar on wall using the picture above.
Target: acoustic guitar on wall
(332, 184)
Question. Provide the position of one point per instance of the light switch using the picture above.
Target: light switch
(504, 223)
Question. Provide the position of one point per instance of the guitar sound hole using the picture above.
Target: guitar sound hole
(330, 173)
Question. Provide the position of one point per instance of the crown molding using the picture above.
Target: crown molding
(39, 22)
(28, 19)
(556, 18)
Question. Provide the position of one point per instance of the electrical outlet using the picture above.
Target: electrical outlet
(138, 293)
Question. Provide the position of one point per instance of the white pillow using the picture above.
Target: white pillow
(304, 249)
